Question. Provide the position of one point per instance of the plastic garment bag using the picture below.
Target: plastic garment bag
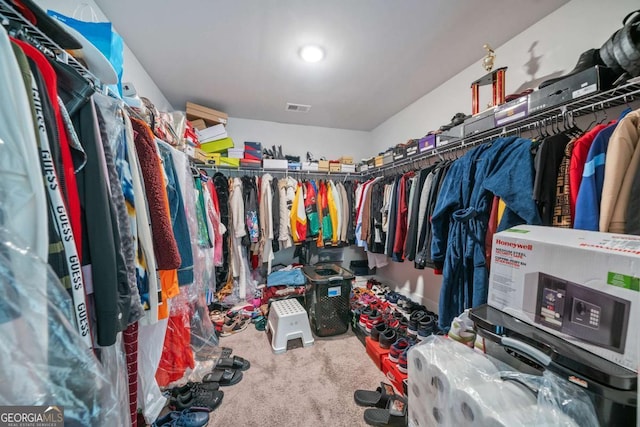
(47, 365)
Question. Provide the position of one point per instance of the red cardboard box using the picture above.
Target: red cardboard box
(375, 352)
(390, 369)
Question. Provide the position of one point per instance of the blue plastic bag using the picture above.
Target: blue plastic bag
(103, 37)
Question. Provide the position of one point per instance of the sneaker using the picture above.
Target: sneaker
(199, 398)
(416, 316)
(426, 326)
(364, 317)
(190, 386)
(193, 417)
(387, 339)
(397, 348)
(378, 330)
(374, 318)
(462, 329)
(402, 361)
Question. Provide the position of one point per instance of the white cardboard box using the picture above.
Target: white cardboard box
(581, 286)
(348, 168)
(275, 164)
(310, 166)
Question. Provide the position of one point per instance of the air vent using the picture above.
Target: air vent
(298, 108)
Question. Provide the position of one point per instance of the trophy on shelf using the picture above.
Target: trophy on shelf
(494, 78)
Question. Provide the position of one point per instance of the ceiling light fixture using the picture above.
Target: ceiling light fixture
(312, 53)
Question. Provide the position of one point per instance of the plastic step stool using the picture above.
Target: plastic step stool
(288, 320)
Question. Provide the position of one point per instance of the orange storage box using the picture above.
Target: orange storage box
(390, 369)
(375, 352)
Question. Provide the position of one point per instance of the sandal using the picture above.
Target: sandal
(217, 316)
(235, 362)
(224, 377)
(225, 352)
(394, 415)
(237, 324)
(378, 398)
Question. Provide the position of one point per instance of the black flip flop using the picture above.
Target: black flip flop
(226, 352)
(378, 398)
(394, 415)
(235, 362)
(224, 377)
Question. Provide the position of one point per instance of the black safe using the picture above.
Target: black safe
(582, 312)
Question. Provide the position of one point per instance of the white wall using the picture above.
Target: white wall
(549, 47)
(133, 71)
(298, 139)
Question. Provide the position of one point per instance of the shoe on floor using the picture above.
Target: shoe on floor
(197, 417)
(235, 362)
(378, 398)
(224, 377)
(190, 386)
(198, 398)
(394, 415)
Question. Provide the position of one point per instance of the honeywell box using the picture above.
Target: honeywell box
(580, 285)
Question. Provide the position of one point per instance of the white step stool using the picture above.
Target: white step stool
(288, 320)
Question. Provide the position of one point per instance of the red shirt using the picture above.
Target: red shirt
(71, 191)
(576, 166)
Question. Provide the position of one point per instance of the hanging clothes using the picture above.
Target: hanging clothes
(422, 211)
(222, 192)
(346, 213)
(401, 220)
(287, 190)
(578, 159)
(623, 160)
(547, 162)
(503, 168)
(275, 214)
(311, 209)
(250, 198)
(69, 186)
(22, 191)
(324, 216)
(393, 215)
(350, 187)
(590, 192)
(101, 260)
(298, 217)
(266, 223)
(414, 211)
(62, 256)
(562, 205)
(112, 126)
(335, 207)
(178, 215)
(146, 266)
(164, 242)
(424, 257)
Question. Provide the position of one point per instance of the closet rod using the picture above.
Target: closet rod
(615, 97)
(280, 172)
(41, 41)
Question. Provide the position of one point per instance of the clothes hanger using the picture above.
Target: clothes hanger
(605, 117)
(554, 125)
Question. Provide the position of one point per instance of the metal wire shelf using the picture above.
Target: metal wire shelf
(603, 100)
(15, 21)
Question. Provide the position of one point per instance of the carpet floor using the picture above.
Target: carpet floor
(310, 386)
